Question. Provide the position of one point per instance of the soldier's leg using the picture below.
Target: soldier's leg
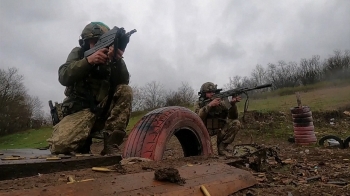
(85, 148)
(227, 135)
(71, 133)
(118, 118)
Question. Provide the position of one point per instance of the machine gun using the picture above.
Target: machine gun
(116, 36)
(232, 92)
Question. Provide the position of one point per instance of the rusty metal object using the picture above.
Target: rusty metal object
(218, 178)
(43, 162)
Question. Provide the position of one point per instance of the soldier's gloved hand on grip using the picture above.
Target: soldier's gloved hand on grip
(236, 99)
(215, 102)
(99, 57)
(111, 54)
(123, 42)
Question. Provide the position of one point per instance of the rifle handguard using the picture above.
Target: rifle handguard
(108, 38)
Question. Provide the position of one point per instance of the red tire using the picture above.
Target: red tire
(302, 120)
(297, 110)
(307, 124)
(149, 136)
(301, 129)
(302, 115)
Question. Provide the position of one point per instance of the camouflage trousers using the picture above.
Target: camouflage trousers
(228, 133)
(72, 133)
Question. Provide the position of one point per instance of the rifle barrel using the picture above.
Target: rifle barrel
(263, 86)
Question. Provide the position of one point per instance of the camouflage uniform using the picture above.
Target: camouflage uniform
(88, 85)
(221, 120)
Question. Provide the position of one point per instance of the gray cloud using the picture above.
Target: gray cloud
(193, 41)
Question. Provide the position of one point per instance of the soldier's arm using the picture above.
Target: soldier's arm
(201, 111)
(233, 112)
(123, 76)
(75, 69)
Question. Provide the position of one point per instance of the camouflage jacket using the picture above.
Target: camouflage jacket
(83, 79)
(216, 117)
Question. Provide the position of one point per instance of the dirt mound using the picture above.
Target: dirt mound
(170, 175)
(263, 120)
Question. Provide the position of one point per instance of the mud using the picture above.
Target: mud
(169, 175)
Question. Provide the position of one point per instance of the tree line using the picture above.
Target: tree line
(280, 75)
(291, 74)
(20, 111)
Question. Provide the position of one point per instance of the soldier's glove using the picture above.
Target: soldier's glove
(123, 42)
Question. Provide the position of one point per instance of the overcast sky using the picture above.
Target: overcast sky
(176, 40)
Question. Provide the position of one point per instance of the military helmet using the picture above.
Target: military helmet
(94, 30)
(208, 87)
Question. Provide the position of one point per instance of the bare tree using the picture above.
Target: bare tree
(338, 65)
(234, 82)
(258, 75)
(154, 95)
(137, 102)
(282, 74)
(18, 110)
(184, 96)
(187, 94)
(173, 98)
(310, 70)
(35, 106)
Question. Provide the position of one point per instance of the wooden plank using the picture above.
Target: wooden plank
(19, 170)
(218, 178)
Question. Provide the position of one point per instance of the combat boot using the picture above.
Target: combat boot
(111, 142)
(97, 135)
(222, 151)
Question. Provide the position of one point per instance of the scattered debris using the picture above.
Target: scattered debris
(342, 183)
(313, 178)
(12, 158)
(102, 169)
(53, 158)
(169, 174)
(132, 160)
(204, 190)
(63, 156)
(254, 156)
(83, 155)
(71, 180)
(346, 113)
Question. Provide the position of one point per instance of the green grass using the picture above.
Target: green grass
(27, 139)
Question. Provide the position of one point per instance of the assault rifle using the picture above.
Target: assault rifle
(116, 36)
(232, 92)
(54, 114)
